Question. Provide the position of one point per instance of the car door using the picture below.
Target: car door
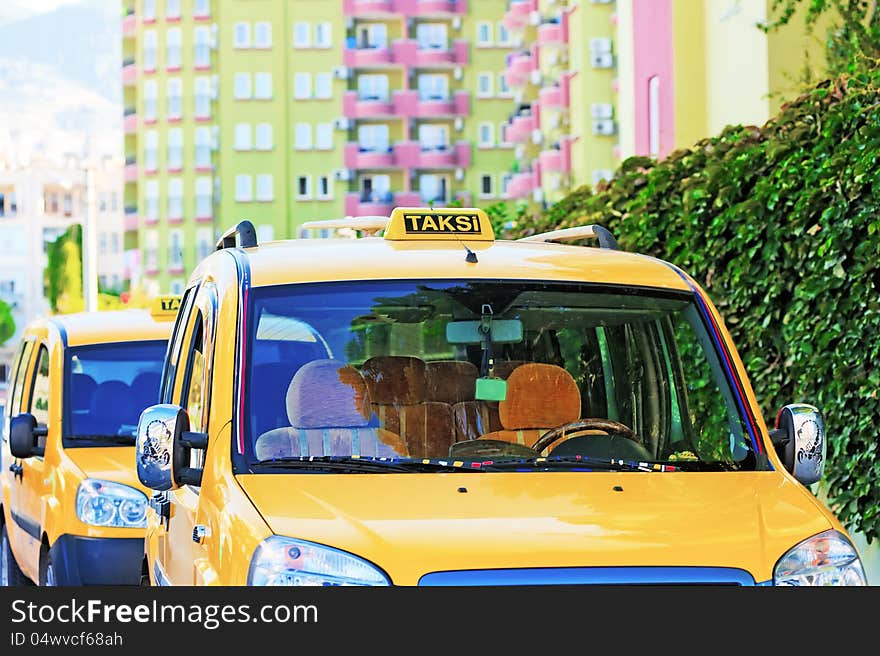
(192, 387)
(11, 466)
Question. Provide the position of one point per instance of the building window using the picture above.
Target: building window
(151, 150)
(303, 138)
(244, 188)
(202, 98)
(176, 287)
(8, 203)
(263, 35)
(264, 187)
(202, 47)
(486, 137)
(203, 148)
(304, 187)
(503, 35)
(204, 206)
(373, 87)
(114, 243)
(484, 34)
(654, 116)
(376, 189)
(265, 233)
(487, 186)
(201, 8)
(433, 137)
(301, 35)
(372, 36)
(175, 199)
(175, 98)
(263, 86)
(150, 41)
(323, 35)
(323, 86)
(175, 149)
(302, 86)
(149, 10)
(242, 140)
(324, 136)
(373, 138)
(151, 250)
(102, 243)
(502, 134)
(505, 183)
(151, 200)
(204, 243)
(503, 89)
(263, 136)
(175, 249)
(325, 188)
(484, 85)
(150, 104)
(432, 36)
(172, 49)
(433, 188)
(433, 87)
(241, 35)
(242, 89)
(172, 9)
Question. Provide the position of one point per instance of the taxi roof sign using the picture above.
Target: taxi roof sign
(446, 223)
(165, 307)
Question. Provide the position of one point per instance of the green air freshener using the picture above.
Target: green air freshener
(491, 389)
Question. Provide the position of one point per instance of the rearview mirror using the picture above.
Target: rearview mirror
(501, 331)
(799, 438)
(163, 448)
(23, 433)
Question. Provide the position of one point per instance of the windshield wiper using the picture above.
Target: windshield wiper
(113, 439)
(564, 462)
(363, 465)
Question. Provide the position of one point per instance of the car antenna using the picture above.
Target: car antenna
(471, 256)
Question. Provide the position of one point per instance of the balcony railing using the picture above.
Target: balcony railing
(357, 204)
(407, 52)
(522, 185)
(409, 154)
(405, 104)
(368, 8)
(517, 15)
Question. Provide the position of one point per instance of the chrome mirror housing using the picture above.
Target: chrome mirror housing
(158, 427)
(801, 442)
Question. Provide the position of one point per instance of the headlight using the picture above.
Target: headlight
(104, 503)
(285, 561)
(824, 559)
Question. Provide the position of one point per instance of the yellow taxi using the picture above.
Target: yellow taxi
(73, 510)
(427, 405)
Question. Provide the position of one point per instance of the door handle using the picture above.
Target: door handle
(17, 470)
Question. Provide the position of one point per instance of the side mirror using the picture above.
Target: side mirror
(163, 447)
(23, 434)
(799, 438)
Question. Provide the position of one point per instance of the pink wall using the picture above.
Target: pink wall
(652, 39)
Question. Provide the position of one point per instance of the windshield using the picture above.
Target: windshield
(484, 372)
(109, 385)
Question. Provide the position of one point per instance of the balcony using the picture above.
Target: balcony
(129, 120)
(520, 68)
(131, 169)
(517, 15)
(457, 156)
(522, 185)
(129, 26)
(357, 205)
(131, 218)
(405, 104)
(129, 72)
(554, 34)
(406, 52)
(409, 154)
(555, 98)
(357, 158)
(367, 57)
(556, 160)
(457, 55)
(367, 8)
(522, 127)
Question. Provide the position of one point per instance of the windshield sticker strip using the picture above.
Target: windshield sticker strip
(741, 400)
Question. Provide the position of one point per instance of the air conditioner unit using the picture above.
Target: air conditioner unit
(458, 73)
(536, 77)
(600, 44)
(538, 195)
(601, 174)
(602, 110)
(604, 127)
(342, 123)
(212, 41)
(459, 123)
(602, 60)
(553, 57)
(534, 18)
(520, 151)
(215, 137)
(342, 174)
(341, 72)
(537, 136)
(459, 174)
(456, 23)
(553, 120)
(601, 2)
(553, 183)
(215, 87)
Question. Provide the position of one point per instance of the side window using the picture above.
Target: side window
(40, 394)
(175, 345)
(19, 367)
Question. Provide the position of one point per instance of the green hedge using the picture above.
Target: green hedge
(781, 224)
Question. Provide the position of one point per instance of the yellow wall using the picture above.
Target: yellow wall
(689, 70)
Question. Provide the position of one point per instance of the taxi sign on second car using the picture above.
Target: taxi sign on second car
(165, 307)
(447, 223)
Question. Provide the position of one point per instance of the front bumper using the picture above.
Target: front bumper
(79, 560)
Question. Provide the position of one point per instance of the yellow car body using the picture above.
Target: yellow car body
(449, 527)
(39, 493)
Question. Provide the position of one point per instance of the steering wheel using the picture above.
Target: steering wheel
(589, 423)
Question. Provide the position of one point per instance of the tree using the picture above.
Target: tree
(7, 323)
(64, 274)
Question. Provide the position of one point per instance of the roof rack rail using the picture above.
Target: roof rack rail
(594, 231)
(247, 236)
(370, 225)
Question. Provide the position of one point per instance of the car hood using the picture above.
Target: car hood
(414, 524)
(109, 463)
